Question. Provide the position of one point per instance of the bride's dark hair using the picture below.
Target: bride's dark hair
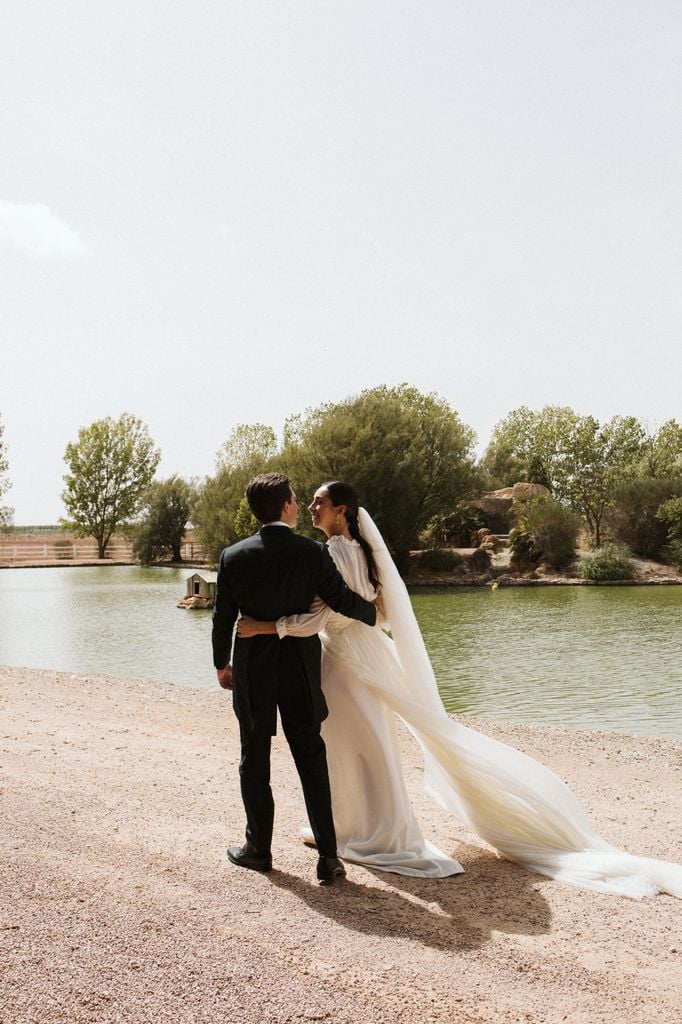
(343, 494)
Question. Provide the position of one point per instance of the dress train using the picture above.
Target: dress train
(522, 809)
(519, 807)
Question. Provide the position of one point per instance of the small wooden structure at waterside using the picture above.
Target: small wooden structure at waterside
(200, 590)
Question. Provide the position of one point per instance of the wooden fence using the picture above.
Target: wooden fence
(59, 548)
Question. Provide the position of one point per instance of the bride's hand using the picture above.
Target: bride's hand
(247, 626)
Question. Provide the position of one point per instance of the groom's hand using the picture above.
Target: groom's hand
(225, 677)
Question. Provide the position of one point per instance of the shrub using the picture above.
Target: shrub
(454, 528)
(609, 562)
(63, 549)
(671, 514)
(440, 560)
(481, 559)
(546, 531)
(634, 517)
(522, 547)
(672, 553)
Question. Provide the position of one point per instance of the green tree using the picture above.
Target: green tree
(249, 444)
(250, 449)
(407, 454)
(662, 452)
(500, 467)
(671, 514)
(166, 509)
(110, 467)
(6, 513)
(531, 446)
(245, 523)
(633, 517)
(599, 458)
(579, 460)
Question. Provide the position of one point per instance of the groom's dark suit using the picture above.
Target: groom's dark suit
(275, 573)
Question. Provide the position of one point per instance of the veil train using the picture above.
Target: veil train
(513, 802)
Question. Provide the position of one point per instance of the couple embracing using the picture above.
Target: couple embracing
(308, 643)
(272, 574)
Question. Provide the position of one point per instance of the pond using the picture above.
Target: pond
(584, 657)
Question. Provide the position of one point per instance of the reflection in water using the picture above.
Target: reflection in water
(585, 657)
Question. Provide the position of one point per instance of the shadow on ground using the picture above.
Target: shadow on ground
(456, 913)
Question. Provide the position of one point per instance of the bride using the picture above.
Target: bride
(511, 801)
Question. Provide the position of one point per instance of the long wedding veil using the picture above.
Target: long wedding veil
(510, 800)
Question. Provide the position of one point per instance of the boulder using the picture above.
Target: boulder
(478, 536)
(490, 542)
(480, 560)
(497, 507)
(523, 491)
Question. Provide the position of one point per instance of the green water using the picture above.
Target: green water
(585, 657)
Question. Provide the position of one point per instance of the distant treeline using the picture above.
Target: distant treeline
(410, 458)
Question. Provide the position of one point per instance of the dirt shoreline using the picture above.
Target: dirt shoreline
(119, 797)
(648, 573)
(444, 580)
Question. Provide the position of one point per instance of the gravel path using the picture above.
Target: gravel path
(119, 905)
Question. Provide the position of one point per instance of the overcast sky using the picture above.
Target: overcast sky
(225, 212)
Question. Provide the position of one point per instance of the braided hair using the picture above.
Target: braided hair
(343, 494)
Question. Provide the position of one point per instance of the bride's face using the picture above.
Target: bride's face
(323, 514)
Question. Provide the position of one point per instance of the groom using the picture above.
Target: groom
(276, 573)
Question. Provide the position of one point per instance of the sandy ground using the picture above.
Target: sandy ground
(118, 903)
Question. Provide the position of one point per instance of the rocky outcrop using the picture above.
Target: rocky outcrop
(497, 507)
(524, 491)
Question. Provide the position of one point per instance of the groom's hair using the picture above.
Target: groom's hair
(266, 495)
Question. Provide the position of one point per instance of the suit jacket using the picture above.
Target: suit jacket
(277, 572)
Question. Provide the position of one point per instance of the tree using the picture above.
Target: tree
(633, 517)
(250, 449)
(579, 460)
(110, 467)
(244, 523)
(599, 459)
(6, 513)
(166, 509)
(671, 514)
(532, 446)
(662, 452)
(407, 454)
(248, 444)
(500, 467)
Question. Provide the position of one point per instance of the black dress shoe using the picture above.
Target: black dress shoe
(244, 857)
(330, 870)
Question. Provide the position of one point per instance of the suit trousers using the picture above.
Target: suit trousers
(310, 757)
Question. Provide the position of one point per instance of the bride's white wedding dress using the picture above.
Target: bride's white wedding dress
(510, 800)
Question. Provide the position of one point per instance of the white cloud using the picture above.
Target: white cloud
(38, 232)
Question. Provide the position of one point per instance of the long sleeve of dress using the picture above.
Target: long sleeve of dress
(306, 623)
